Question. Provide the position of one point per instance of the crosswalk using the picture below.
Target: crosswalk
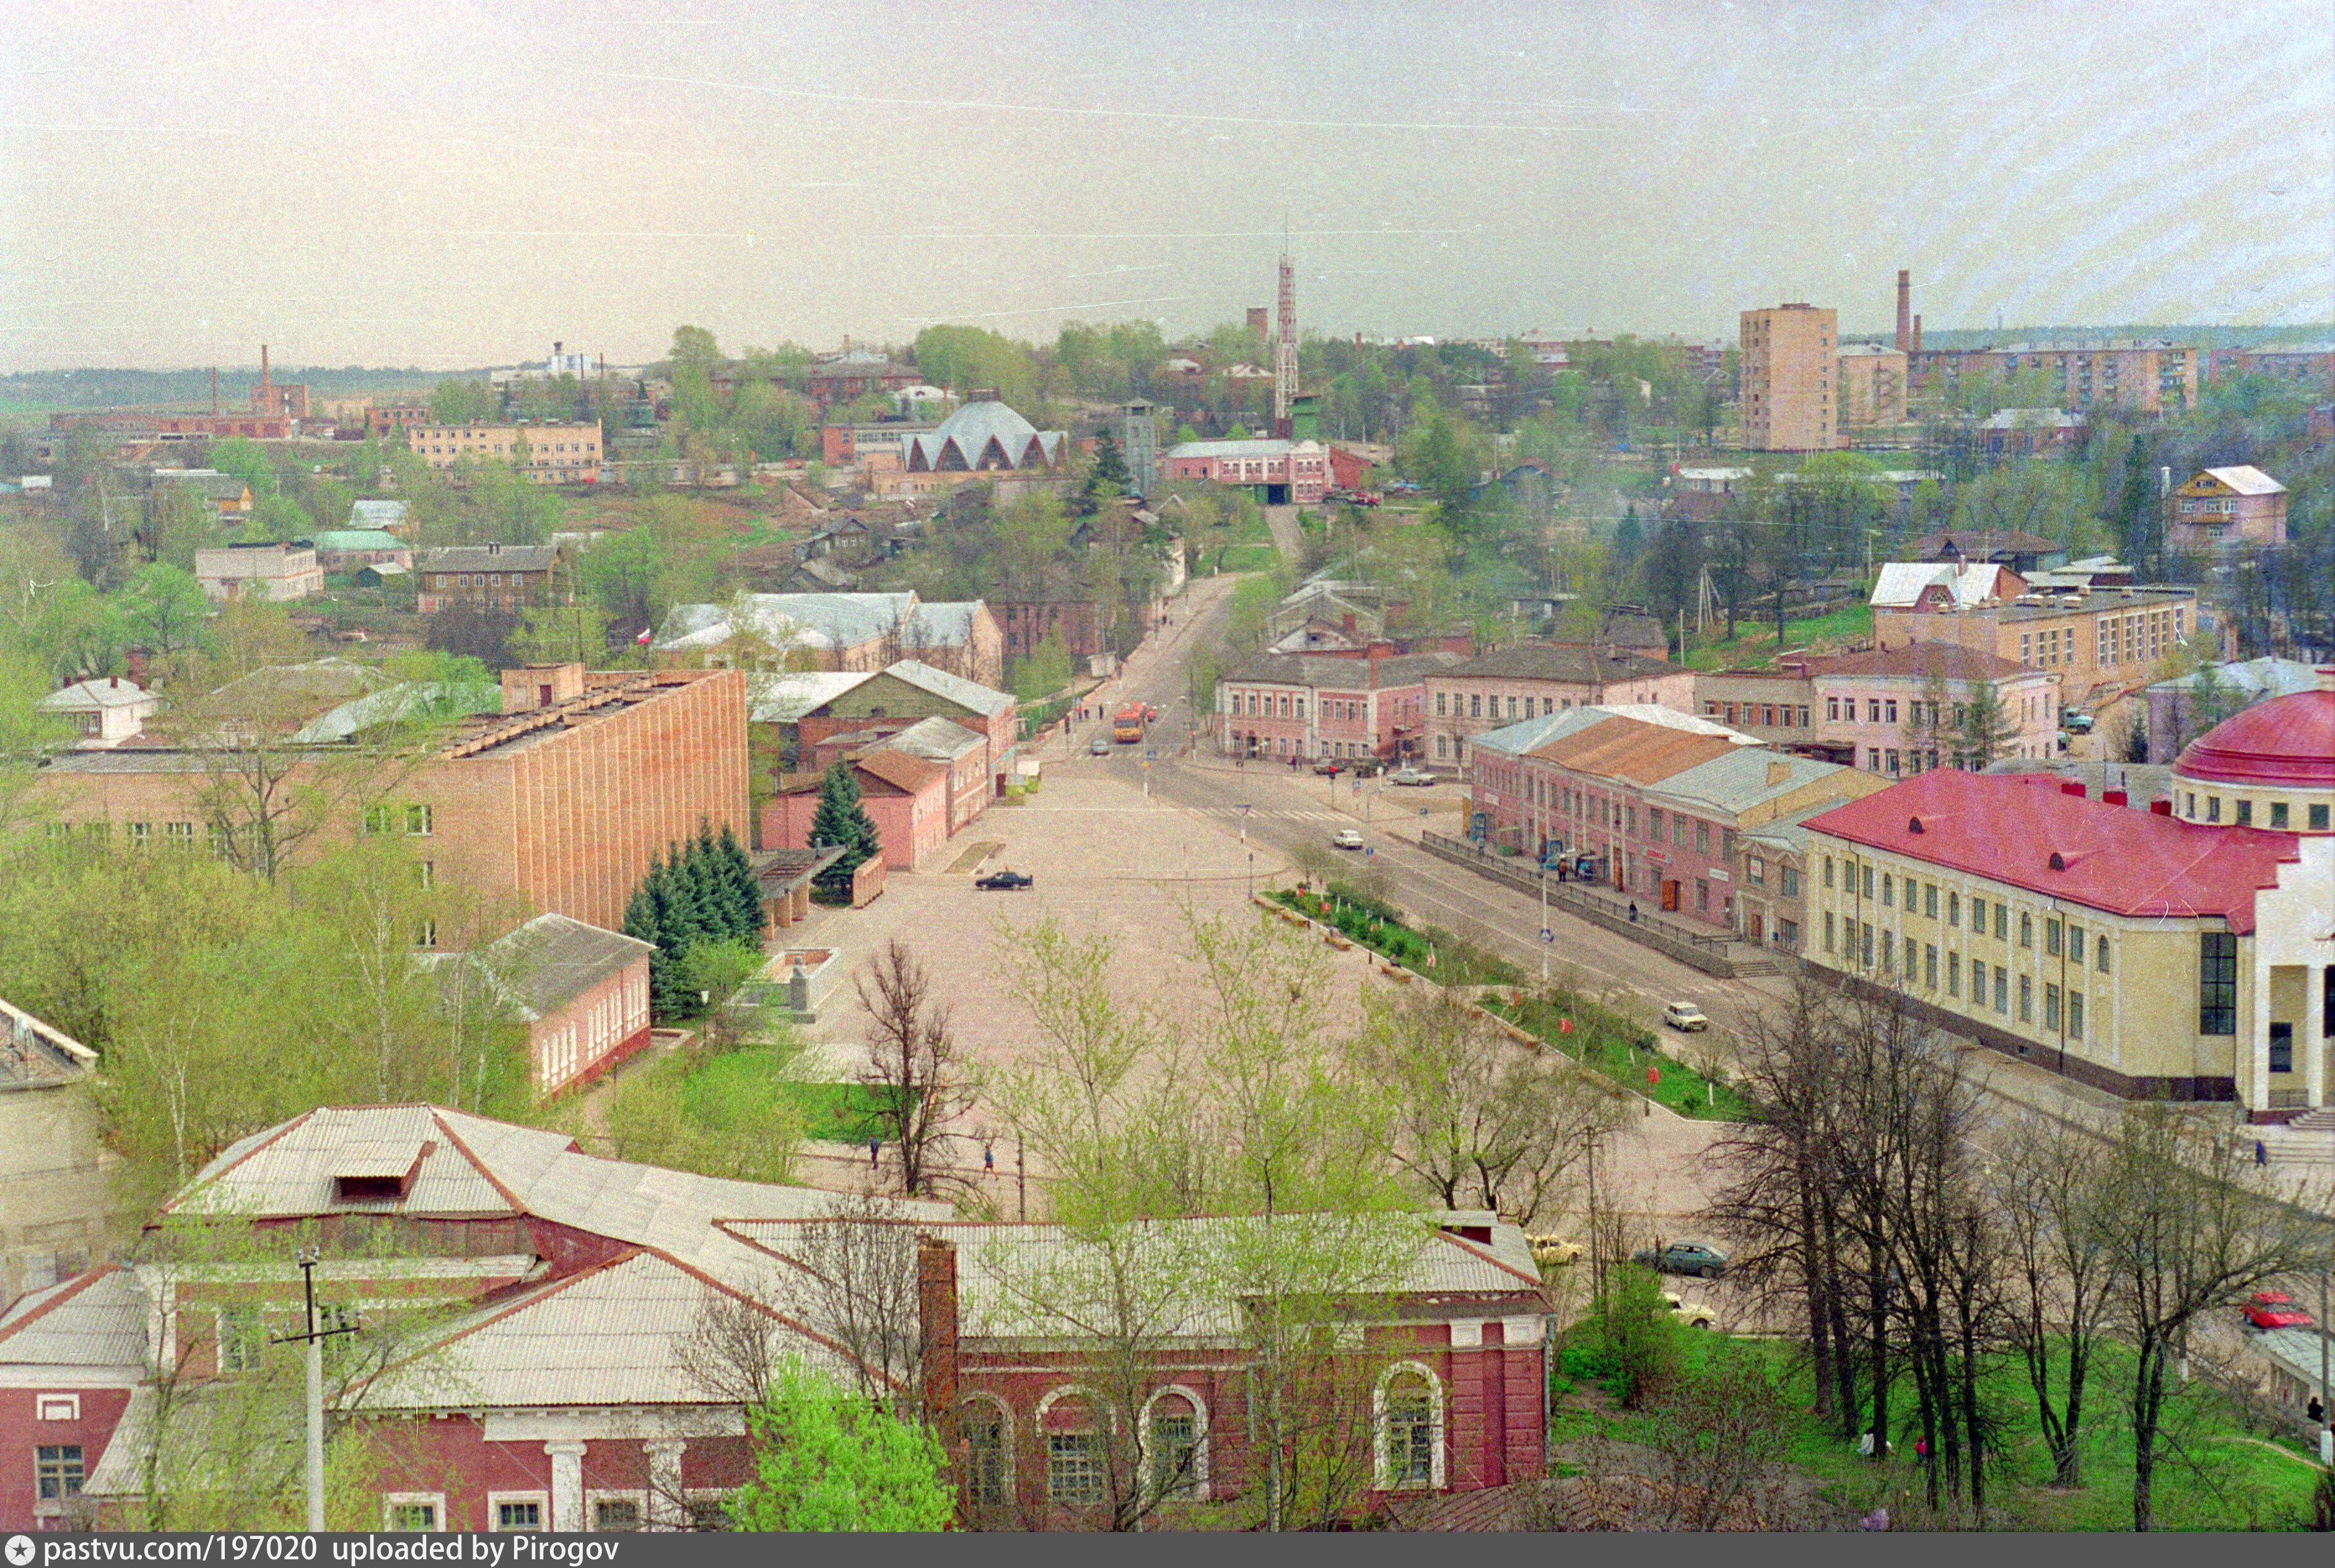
(1235, 814)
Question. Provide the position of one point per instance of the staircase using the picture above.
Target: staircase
(2308, 1140)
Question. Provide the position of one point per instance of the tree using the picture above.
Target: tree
(1983, 727)
(165, 609)
(914, 1070)
(2053, 1208)
(461, 402)
(842, 819)
(856, 1286)
(826, 1460)
(2190, 1226)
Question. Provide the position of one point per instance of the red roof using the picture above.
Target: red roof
(2286, 742)
(2025, 830)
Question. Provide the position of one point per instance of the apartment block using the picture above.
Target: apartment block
(1790, 362)
(548, 454)
(1872, 389)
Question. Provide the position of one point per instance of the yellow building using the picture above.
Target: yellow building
(1871, 386)
(1790, 360)
(2181, 953)
(550, 454)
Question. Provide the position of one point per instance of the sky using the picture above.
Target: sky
(461, 182)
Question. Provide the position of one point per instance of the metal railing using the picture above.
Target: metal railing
(1522, 874)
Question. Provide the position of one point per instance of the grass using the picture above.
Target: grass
(1247, 558)
(829, 1112)
(2211, 1472)
(1755, 643)
(1427, 951)
(1620, 1052)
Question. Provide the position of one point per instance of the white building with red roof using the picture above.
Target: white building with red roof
(2185, 951)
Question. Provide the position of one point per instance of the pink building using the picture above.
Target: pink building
(1872, 710)
(1277, 471)
(906, 797)
(1317, 706)
(2232, 505)
(1535, 680)
(582, 993)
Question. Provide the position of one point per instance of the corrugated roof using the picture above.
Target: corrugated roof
(785, 699)
(487, 558)
(96, 1319)
(1744, 778)
(1569, 663)
(830, 621)
(418, 700)
(1322, 670)
(1633, 749)
(907, 773)
(552, 960)
(1259, 447)
(82, 696)
(938, 739)
(2247, 480)
(356, 539)
(946, 624)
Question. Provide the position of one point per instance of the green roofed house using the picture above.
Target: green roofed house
(346, 549)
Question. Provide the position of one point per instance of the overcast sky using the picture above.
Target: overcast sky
(459, 183)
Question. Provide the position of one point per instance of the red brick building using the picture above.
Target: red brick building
(582, 993)
(2223, 506)
(554, 1387)
(559, 801)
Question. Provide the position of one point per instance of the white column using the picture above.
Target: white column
(2255, 1021)
(665, 1501)
(566, 1487)
(2314, 1035)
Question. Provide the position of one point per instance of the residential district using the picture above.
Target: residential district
(1265, 931)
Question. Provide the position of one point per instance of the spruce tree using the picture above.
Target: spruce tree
(840, 818)
(749, 891)
(641, 922)
(684, 916)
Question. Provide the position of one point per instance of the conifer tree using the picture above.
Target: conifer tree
(642, 922)
(740, 870)
(840, 818)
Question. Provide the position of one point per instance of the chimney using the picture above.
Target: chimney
(2072, 786)
(936, 1301)
(2160, 807)
(214, 392)
(2114, 797)
(1904, 309)
(113, 682)
(556, 345)
(1917, 337)
(1779, 771)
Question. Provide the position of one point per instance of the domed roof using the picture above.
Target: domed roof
(2286, 742)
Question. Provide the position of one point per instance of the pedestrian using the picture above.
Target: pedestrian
(2262, 1153)
(2316, 1411)
(1633, 911)
(988, 1160)
(1921, 1449)
(875, 1151)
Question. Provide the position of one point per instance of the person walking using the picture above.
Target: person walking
(874, 1152)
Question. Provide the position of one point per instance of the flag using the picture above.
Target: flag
(644, 638)
(1564, 1026)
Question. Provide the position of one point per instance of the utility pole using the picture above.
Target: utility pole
(313, 1338)
(1020, 1181)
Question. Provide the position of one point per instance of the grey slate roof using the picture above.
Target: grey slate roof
(1737, 781)
(378, 514)
(1578, 666)
(833, 621)
(96, 1319)
(943, 623)
(972, 427)
(939, 739)
(552, 960)
(87, 696)
(983, 700)
(1344, 674)
(410, 699)
(487, 558)
(784, 699)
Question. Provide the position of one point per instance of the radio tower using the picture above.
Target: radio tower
(1285, 360)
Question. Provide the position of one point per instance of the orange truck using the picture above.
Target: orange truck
(1126, 724)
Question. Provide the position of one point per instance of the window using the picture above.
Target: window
(1410, 1429)
(425, 875)
(1909, 959)
(2075, 1015)
(179, 834)
(1074, 1469)
(1175, 1450)
(1792, 882)
(2217, 982)
(420, 820)
(1827, 872)
(57, 1408)
(983, 1425)
(1868, 881)
(1929, 965)
(1475, 706)
(2278, 813)
(1439, 697)
(520, 1512)
(1702, 838)
(2002, 921)
(615, 1513)
(1930, 901)
(57, 1471)
(242, 1340)
(1827, 937)
(2281, 1047)
(140, 832)
(2001, 989)
(407, 1512)
(2318, 818)
(709, 1513)
(1953, 974)
(1755, 870)
(425, 934)
(1888, 898)
(1832, 708)
(2026, 999)
(2246, 813)
(2051, 938)
(2212, 807)
(1865, 946)
(2051, 1007)
(2101, 954)
(2026, 928)
(376, 819)
(2076, 943)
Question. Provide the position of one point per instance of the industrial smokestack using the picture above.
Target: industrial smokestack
(1917, 337)
(1904, 309)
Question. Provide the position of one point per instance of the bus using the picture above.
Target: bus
(1126, 724)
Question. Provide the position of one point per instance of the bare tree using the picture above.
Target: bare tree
(2049, 1203)
(855, 1285)
(919, 1079)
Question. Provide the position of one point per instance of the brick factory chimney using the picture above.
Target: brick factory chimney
(1904, 309)
(1917, 337)
(936, 1302)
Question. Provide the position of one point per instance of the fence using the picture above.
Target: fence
(1693, 948)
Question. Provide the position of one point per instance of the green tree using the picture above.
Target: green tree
(1983, 727)
(827, 1460)
(463, 402)
(694, 348)
(841, 818)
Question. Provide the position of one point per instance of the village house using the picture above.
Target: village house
(107, 711)
(346, 549)
(484, 577)
(275, 572)
(552, 1385)
(2223, 506)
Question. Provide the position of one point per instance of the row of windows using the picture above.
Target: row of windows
(419, 821)
(425, 1512)
(1475, 706)
(2281, 819)
(1917, 962)
(1775, 715)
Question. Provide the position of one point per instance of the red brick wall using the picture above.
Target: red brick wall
(21, 1433)
(594, 1033)
(452, 1453)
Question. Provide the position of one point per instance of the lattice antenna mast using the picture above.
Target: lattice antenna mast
(1284, 362)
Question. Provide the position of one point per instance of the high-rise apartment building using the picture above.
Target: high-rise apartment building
(1791, 367)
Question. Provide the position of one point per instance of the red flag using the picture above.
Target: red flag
(643, 637)
(1564, 1026)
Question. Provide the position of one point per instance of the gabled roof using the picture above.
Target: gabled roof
(1947, 661)
(96, 1319)
(937, 738)
(1633, 751)
(1570, 663)
(552, 960)
(1744, 779)
(1903, 583)
(1532, 737)
(969, 694)
(829, 621)
(2244, 480)
(487, 558)
(2010, 827)
(407, 700)
(944, 623)
(903, 770)
(88, 696)
(784, 699)
(356, 539)
(1320, 670)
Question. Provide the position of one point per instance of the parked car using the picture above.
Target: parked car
(1551, 1251)
(2274, 1310)
(1693, 1314)
(1347, 838)
(1683, 1258)
(1004, 881)
(1367, 768)
(1099, 747)
(1414, 777)
(1685, 1017)
(1331, 766)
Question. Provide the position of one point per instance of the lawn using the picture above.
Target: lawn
(2211, 1472)
(1428, 951)
(718, 1086)
(1620, 1051)
(1755, 641)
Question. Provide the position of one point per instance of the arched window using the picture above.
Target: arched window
(1071, 1427)
(1175, 1444)
(1407, 1412)
(988, 1432)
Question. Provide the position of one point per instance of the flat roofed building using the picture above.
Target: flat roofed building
(1790, 358)
(275, 572)
(547, 454)
(2092, 638)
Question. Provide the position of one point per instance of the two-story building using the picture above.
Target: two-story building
(1276, 472)
(1537, 678)
(2183, 952)
(271, 571)
(2219, 508)
(1892, 711)
(484, 577)
(2092, 638)
(1316, 706)
(106, 711)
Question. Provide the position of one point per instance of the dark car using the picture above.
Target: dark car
(1330, 767)
(1003, 881)
(1683, 1258)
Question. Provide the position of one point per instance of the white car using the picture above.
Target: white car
(1685, 1017)
(1411, 775)
(1347, 838)
(1691, 1314)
